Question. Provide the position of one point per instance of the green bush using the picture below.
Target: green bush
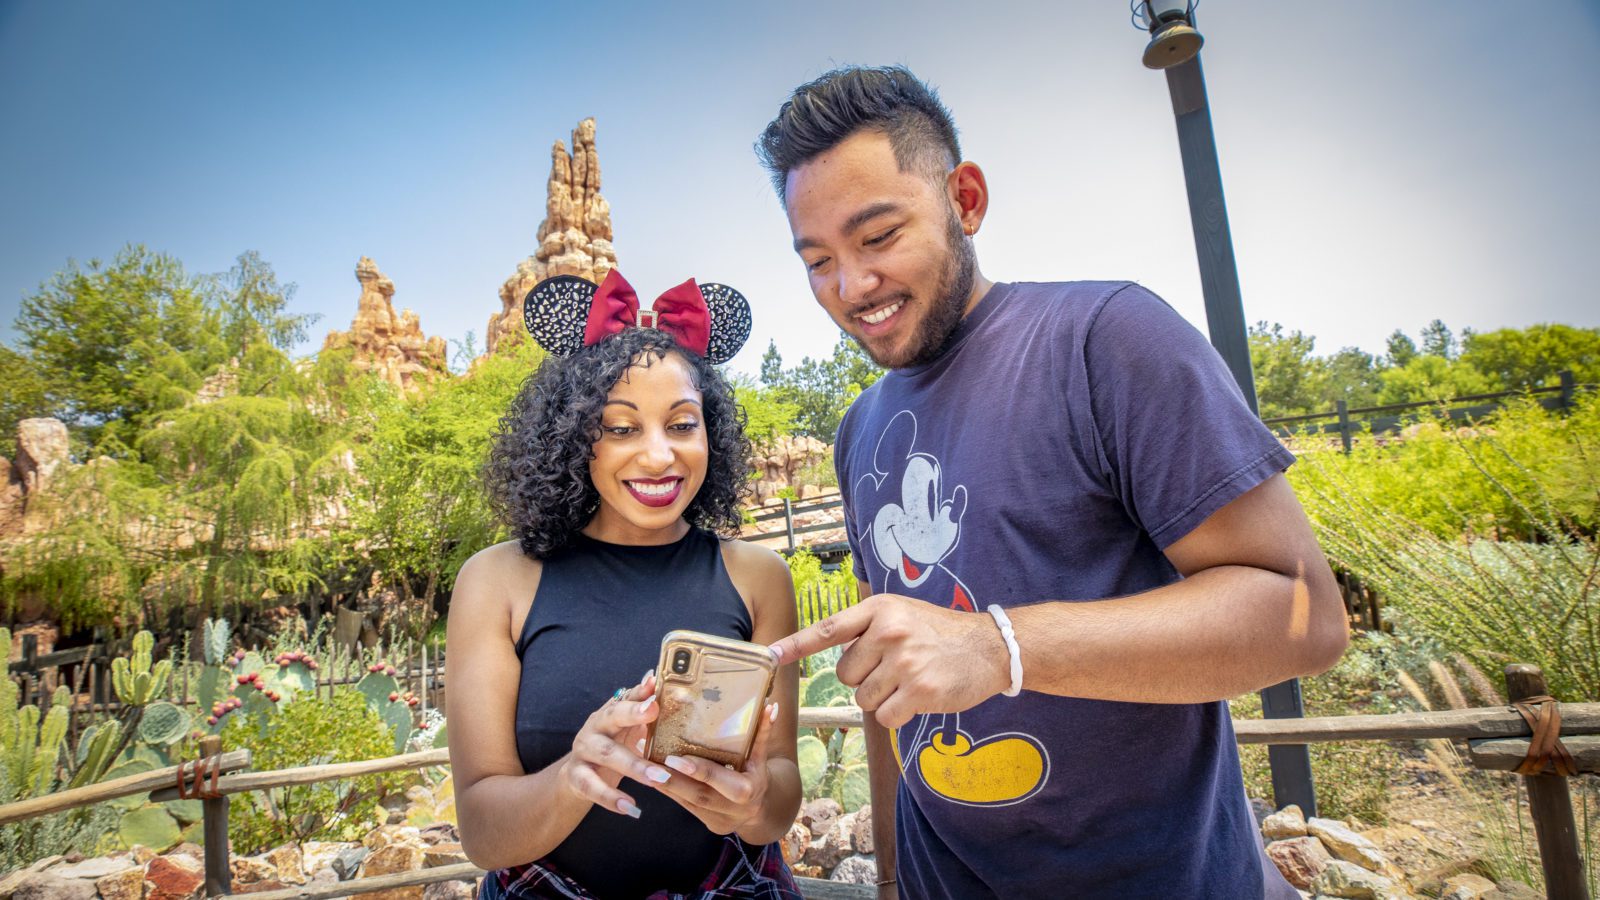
(305, 733)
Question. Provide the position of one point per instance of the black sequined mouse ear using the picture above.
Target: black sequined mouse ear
(730, 321)
(556, 311)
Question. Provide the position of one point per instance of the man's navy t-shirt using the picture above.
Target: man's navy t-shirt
(1067, 436)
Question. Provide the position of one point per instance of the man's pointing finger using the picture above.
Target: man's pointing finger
(830, 632)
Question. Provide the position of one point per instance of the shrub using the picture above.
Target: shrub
(303, 733)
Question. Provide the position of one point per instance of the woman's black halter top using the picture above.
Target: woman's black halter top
(596, 625)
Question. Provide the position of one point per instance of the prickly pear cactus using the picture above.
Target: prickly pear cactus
(139, 680)
(163, 723)
(812, 756)
(150, 826)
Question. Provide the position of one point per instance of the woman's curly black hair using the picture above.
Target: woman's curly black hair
(537, 475)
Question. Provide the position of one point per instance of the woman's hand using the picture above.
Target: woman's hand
(603, 750)
(724, 799)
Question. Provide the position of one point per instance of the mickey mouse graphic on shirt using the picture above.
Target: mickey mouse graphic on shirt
(915, 526)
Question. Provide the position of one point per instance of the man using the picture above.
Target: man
(1058, 488)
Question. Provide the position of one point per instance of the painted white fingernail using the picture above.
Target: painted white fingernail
(648, 702)
(776, 651)
(647, 674)
(627, 807)
(639, 746)
(772, 713)
(681, 764)
(657, 774)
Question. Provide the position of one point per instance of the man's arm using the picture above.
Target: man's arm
(1257, 605)
(883, 774)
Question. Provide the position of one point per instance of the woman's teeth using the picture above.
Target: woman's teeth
(654, 490)
(880, 315)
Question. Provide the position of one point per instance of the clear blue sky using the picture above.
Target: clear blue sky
(1385, 163)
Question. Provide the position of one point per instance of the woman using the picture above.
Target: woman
(616, 469)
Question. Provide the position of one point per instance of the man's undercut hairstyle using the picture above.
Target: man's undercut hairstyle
(888, 99)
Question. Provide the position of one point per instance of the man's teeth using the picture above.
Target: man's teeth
(880, 315)
(654, 490)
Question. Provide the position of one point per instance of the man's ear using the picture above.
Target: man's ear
(968, 191)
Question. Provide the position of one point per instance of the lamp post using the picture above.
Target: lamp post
(1175, 47)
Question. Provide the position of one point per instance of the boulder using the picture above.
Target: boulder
(50, 886)
(98, 867)
(440, 833)
(449, 890)
(819, 814)
(444, 854)
(172, 878)
(834, 844)
(855, 870)
(1347, 845)
(1466, 886)
(42, 447)
(1288, 822)
(387, 835)
(247, 870)
(347, 862)
(127, 884)
(861, 831)
(794, 843)
(1512, 890)
(1300, 859)
(398, 856)
(288, 862)
(319, 855)
(1348, 880)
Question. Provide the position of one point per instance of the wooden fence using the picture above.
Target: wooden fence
(1498, 738)
(1382, 419)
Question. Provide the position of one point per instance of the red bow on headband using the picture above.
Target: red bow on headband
(681, 312)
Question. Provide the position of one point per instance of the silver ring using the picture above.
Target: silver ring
(620, 692)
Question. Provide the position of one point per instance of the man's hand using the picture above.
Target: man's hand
(908, 656)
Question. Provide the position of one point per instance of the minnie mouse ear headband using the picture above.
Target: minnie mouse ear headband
(566, 313)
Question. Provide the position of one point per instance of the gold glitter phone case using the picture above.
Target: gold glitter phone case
(711, 689)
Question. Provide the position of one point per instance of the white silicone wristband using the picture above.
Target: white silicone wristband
(1010, 637)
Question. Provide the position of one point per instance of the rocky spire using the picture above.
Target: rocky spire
(574, 238)
(391, 345)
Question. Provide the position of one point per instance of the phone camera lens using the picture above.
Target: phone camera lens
(680, 662)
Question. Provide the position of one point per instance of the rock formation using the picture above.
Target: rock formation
(41, 450)
(781, 463)
(574, 239)
(391, 345)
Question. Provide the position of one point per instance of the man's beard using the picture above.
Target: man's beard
(948, 303)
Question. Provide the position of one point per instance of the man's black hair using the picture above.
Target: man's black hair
(888, 99)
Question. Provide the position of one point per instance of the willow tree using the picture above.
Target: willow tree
(218, 489)
(418, 500)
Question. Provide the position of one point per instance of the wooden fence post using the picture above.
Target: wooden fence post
(214, 828)
(788, 522)
(1569, 388)
(1343, 409)
(1550, 805)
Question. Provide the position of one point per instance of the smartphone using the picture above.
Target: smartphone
(711, 690)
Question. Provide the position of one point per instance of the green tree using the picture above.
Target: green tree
(821, 390)
(766, 416)
(1353, 376)
(91, 332)
(1289, 379)
(1437, 340)
(1399, 348)
(1532, 357)
(419, 501)
(1430, 377)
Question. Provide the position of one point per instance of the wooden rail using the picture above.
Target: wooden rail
(1499, 739)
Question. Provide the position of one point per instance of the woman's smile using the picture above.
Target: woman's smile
(655, 491)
